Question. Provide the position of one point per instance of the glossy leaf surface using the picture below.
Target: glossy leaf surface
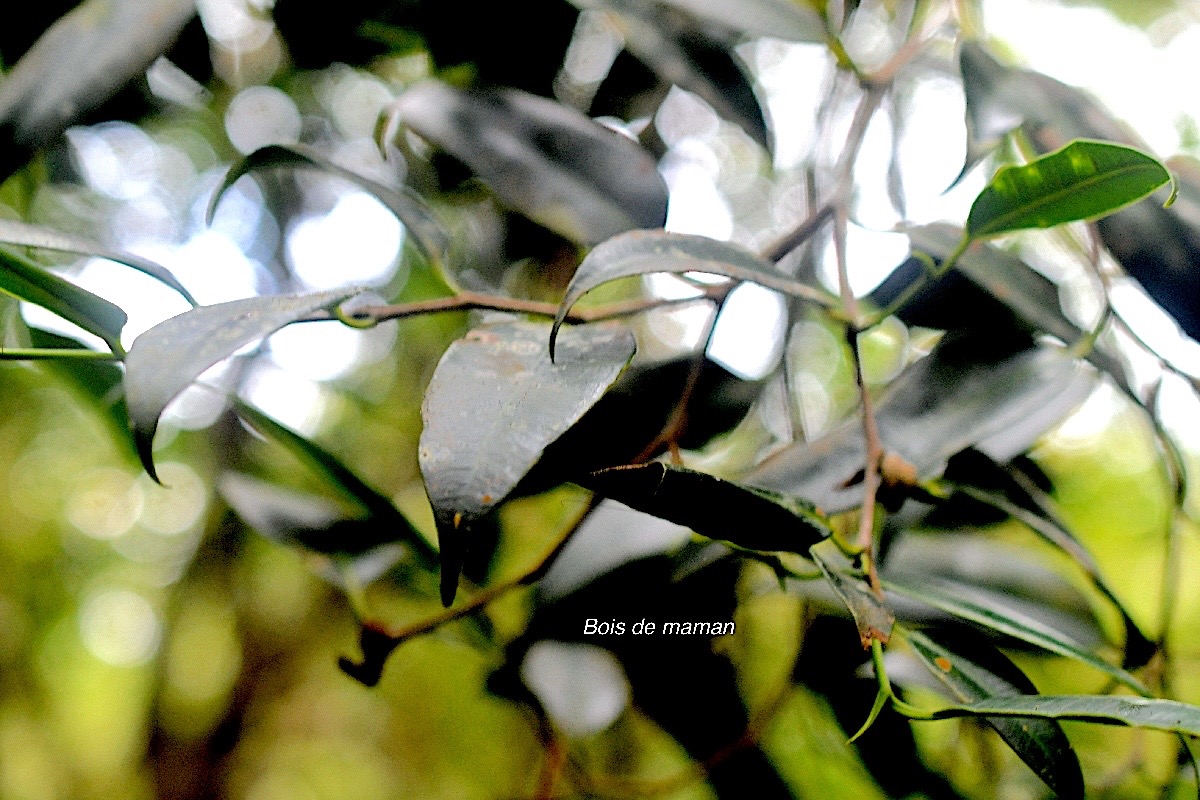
(1040, 743)
(31, 282)
(493, 405)
(954, 398)
(165, 360)
(81, 61)
(1008, 621)
(546, 160)
(409, 207)
(719, 509)
(39, 236)
(1137, 712)
(643, 252)
(1083, 180)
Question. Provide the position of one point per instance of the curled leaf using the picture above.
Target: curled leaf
(165, 359)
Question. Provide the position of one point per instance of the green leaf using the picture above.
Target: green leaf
(1136, 712)
(408, 206)
(164, 360)
(382, 513)
(495, 402)
(20, 233)
(28, 281)
(751, 518)
(80, 62)
(872, 615)
(1083, 180)
(544, 159)
(642, 252)
(977, 608)
(690, 53)
(958, 396)
(779, 19)
(1138, 648)
(981, 673)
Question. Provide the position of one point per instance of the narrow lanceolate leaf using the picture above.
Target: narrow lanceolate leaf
(39, 236)
(779, 19)
(954, 398)
(1138, 648)
(381, 512)
(546, 160)
(643, 252)
(28, 281)
(80, 62)
(495, 402)
(872, 615)
(1008, 621)
(719, 509)
(1081, 181)
(1136, 712)
(684, 51)
(165, 360)
(981, 673)
(408, 206)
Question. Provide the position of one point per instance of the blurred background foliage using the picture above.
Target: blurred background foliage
(153, 645)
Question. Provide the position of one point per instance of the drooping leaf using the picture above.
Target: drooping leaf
(980, 673)
(546, 160)
(1081, 181)
(719, 509)
(1138, 648)
(495, 402)
(78, 64)
(642, 252)
(382, 514)
(682, 51)
(28, 281)
(872, 615)
(39, 236)
(1137, 712)
(1009, 621)
(958, 396)
(779, 19)
(165, 360)
(408, 206)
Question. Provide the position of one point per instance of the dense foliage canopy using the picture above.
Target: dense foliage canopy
(674, 398)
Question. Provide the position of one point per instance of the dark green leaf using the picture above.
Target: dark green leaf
(408, 206)
(1136, 712)
(778, 19)
(20, 233)
(1040, 743)
(979, 609)
(958, 396)
(1137, 647)
(546, 160)
(642, 252)
(80, 62)
(389, 524)
(872, 615)
(683, 52)
(1083, 180)
(22, 278)
(495, 402)
(719, 509)
(165, 360)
